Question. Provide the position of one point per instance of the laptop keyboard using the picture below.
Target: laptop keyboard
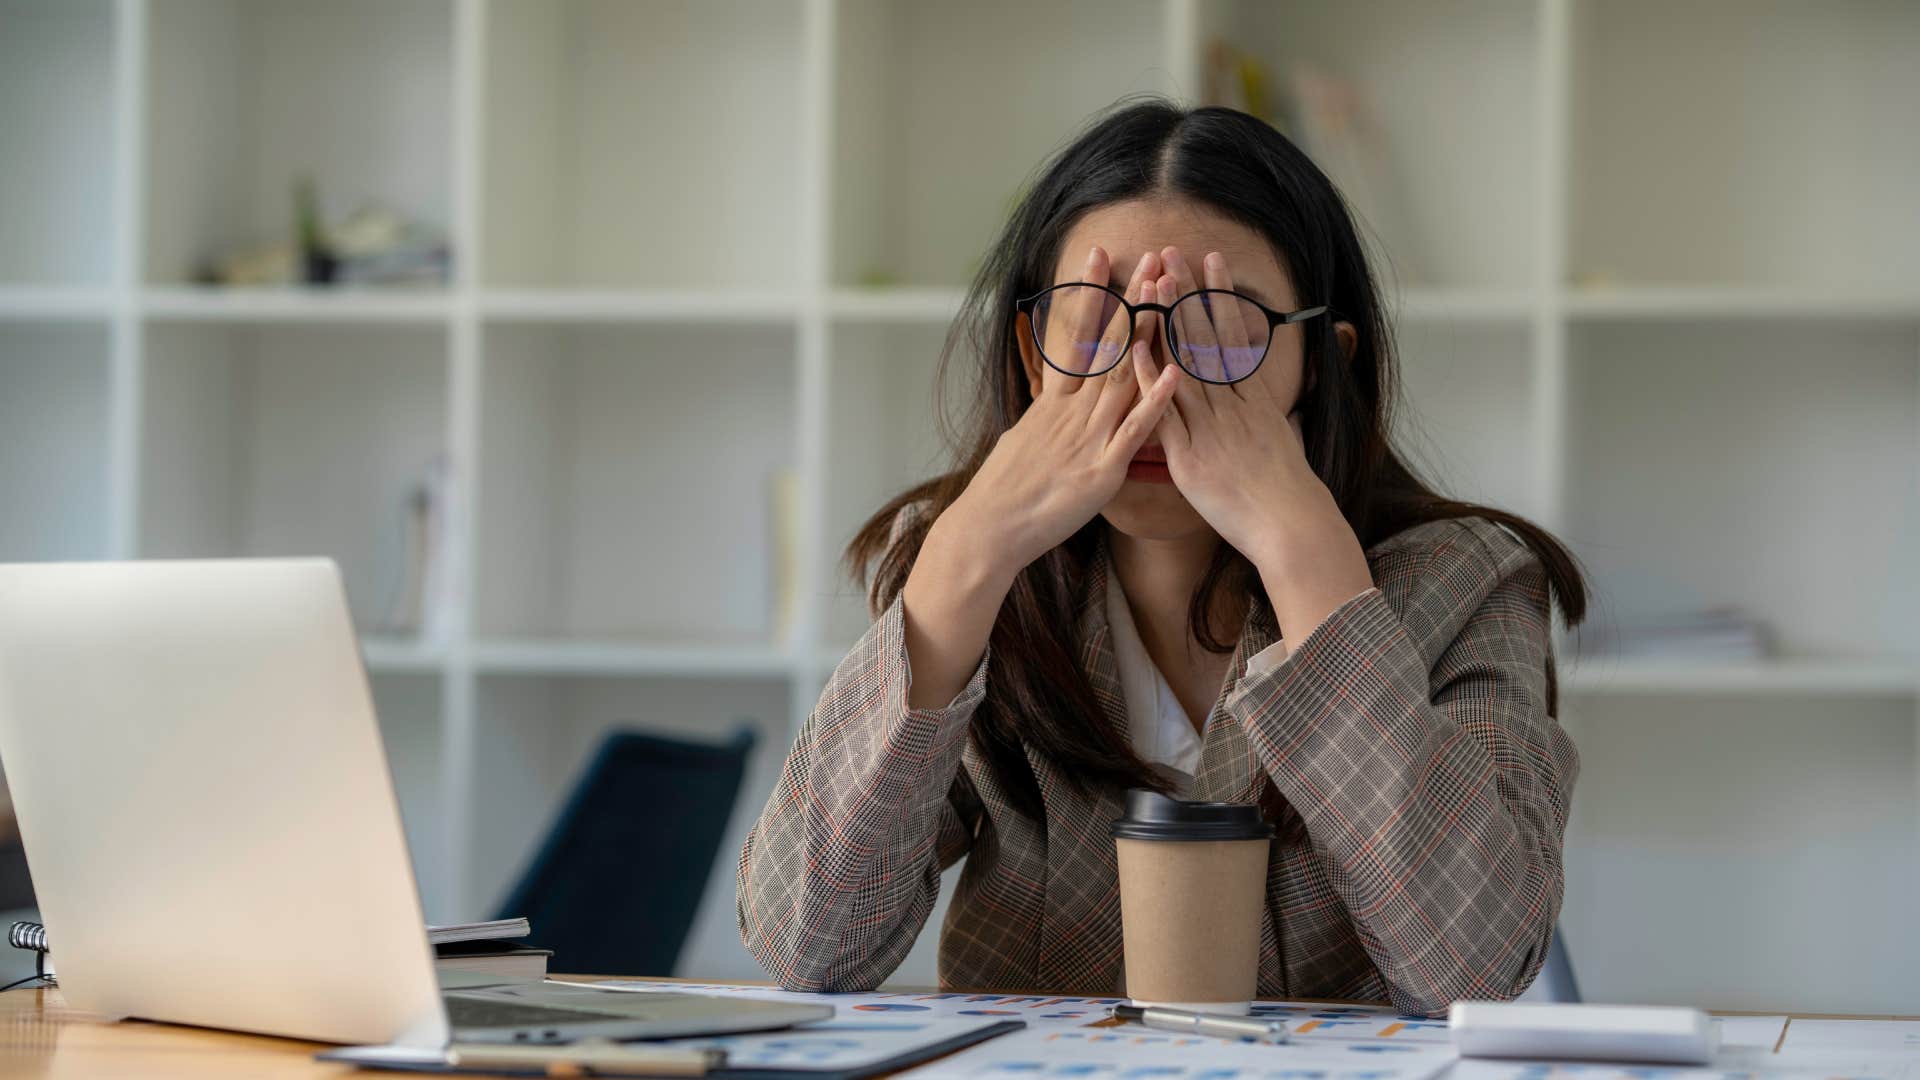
(465, 1012)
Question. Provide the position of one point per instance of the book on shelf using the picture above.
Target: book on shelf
(492, 930)
(509, 959)
(491, 948)
(1331, 117)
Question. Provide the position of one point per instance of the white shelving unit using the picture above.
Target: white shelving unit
(1656, 267)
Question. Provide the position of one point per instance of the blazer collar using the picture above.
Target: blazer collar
(1080, 895)
(1228, 770)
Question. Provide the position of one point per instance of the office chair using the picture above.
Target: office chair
(614, 888)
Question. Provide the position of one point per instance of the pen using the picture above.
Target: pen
(590, 1057)
(1244, 1028)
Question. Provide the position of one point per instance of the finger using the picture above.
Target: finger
(1120, 328)
(1192, 392)
(1143, 418)
(1239, 350)
(1119, 390)
(1073, 322)
(1193, 324)
(1172, 428)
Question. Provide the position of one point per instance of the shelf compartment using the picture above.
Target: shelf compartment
(943, 110)
(882, 438)
(1682, 302)
(729, 306)
(1829, 208)
(1767, 466)
(54, 441)
(293, 440)
(1447, 186)
(1466, 417)
(57, 124)
(629, 476)
(535, 657)
(401, 653)
(535, 735)
(1718, 822)
(1851, 676)
(934, 306)
(580, 97)
(254, 94)
(47, 303)
(304, 305)
(409, 707)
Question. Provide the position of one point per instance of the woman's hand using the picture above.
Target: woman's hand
(1236, 454)
(1067, 456)
(1047, 476)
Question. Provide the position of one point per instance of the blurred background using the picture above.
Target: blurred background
(583, 333)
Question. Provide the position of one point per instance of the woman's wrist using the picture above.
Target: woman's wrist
(950, 602)
(1308, 573)
(969, 559)
(982, 544)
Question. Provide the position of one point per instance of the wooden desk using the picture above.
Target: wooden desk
(41, 1037)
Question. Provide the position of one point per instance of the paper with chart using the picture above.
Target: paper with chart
(1037, 1010)
(1758, 1033)
(1306, 1021)
(1790, 1067)
(1900, 1037)
(844, 1042)
(860, 1044)
(1125, 1053)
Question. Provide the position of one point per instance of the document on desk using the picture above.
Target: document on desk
(1831, 1066)
(1900, 1037)
(1132, 1051)
(1306, 1021)
(1037, 1010)
(846, 1046)
(1750, 1033)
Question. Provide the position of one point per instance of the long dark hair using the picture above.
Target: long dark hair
(1038, 697)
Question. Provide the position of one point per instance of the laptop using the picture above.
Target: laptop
(212, 830)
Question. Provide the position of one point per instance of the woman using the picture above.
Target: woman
(1180, 553)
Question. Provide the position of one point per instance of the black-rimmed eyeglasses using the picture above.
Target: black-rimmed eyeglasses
(1216, 335)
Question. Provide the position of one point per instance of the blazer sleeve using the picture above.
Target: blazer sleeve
(837, 876)
(1438, 792)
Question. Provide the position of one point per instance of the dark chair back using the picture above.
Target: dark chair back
(614, 888)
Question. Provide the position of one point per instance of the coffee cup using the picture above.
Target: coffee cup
(1193, 883)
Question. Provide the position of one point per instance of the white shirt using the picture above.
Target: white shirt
(1157, 724)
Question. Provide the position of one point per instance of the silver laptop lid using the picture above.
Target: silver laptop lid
(205, 802)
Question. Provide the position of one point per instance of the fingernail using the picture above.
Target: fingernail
(1093, 253)
(1216, 261)
(1172, 255)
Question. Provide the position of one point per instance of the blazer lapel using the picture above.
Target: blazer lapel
(1080, 915)
(1228, 770)
(1079, 934)
(1096, 645)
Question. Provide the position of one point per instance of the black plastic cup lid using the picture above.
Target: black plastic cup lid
(1153, 816)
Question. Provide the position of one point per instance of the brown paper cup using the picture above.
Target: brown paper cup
(1190, 909)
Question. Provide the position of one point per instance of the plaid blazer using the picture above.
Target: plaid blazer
(1405, 751)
